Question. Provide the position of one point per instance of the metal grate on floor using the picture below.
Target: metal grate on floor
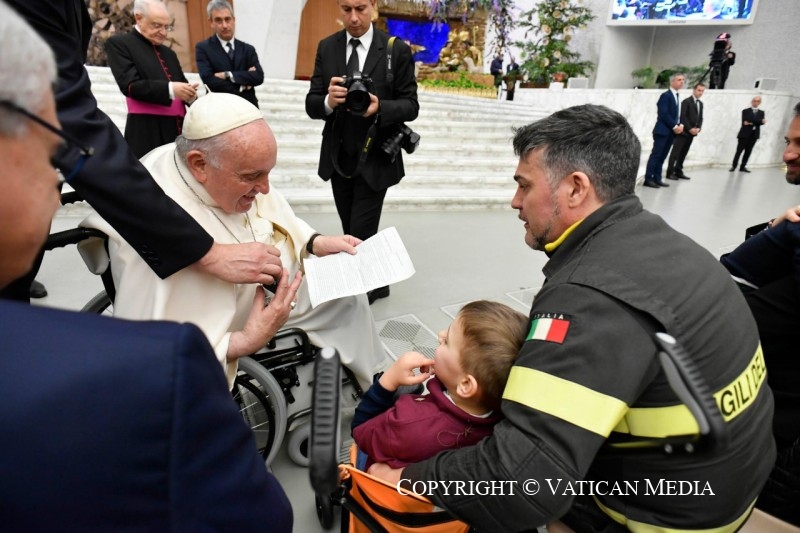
(524, 297)
(452, 310)
(406, 333)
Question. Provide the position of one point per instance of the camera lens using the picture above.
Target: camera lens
(357, 98)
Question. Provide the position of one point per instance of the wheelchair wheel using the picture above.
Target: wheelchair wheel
(256, 411)
(297, 447)
(100, 304)
(324, 510)
(263, 406)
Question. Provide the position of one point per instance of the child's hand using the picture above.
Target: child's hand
(402, 371)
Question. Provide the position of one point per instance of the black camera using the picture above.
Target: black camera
(405, 138)
(358, 90)
(721, 52)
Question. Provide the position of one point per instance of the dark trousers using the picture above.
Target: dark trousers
(746, 146)
(680, 149)
(358, 205)
(661, 146)
(776, 308)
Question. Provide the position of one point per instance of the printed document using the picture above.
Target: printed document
(381, 260)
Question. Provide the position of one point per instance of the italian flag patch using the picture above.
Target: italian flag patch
(551, 327)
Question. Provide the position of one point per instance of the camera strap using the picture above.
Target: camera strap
(389, 73)
(362, 154)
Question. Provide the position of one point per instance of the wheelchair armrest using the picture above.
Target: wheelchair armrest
(325, 423)
(71, 236)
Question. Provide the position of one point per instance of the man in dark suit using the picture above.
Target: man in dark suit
(749, 133)
(692, 120)
(352, 156)
(106, 425)
(496, 70)
(226, 64)
(151, 78)
(511, 78)
(668, 125)
(166, 237)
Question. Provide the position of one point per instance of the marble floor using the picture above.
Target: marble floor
(462, 256)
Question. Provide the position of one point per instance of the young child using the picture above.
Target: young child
(462, 406)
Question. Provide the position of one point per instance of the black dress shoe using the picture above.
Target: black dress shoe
(684, 177)
(671, 177)
(37, 290)
(744, 170)
(651, 184)
(380, 292)
(662, 184)
(732, 169)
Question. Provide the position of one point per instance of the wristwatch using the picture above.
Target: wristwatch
(310, 244)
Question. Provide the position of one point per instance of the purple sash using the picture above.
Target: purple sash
(137, 107)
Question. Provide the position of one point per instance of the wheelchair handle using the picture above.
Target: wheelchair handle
(325, 439)
(690, 387)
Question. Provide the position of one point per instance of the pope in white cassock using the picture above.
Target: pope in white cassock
(218, 171)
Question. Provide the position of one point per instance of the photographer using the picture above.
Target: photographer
(350, 66)
(722, 58)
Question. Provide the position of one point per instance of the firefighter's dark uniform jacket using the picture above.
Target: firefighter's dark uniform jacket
(590, 370)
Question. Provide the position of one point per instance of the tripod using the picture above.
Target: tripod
(715, 69)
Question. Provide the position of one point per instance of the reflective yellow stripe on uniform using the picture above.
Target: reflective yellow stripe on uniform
(599, 413)
(641, 527)
(732, 400)
(564, 399)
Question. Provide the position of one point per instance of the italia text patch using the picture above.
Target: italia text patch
(551, 327)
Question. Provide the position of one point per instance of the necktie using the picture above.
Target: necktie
(352, 63)
(230, 50)
(678, 104)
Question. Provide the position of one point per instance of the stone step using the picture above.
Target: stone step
(276, 92)
(464, 160)
(290, 115)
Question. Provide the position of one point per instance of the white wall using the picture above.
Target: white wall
(273, 28)
(768, 48)
(716, 143)
(622, 48)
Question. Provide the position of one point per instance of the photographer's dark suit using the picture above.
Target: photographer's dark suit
(211, 58)
(748, 135)
(691, 117)
(359, 199)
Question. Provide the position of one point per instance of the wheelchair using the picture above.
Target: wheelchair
(370, 504)
(266, 381)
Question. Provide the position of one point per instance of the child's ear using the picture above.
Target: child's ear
(467, 386)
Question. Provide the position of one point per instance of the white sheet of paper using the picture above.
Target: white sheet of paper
(381, 260)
